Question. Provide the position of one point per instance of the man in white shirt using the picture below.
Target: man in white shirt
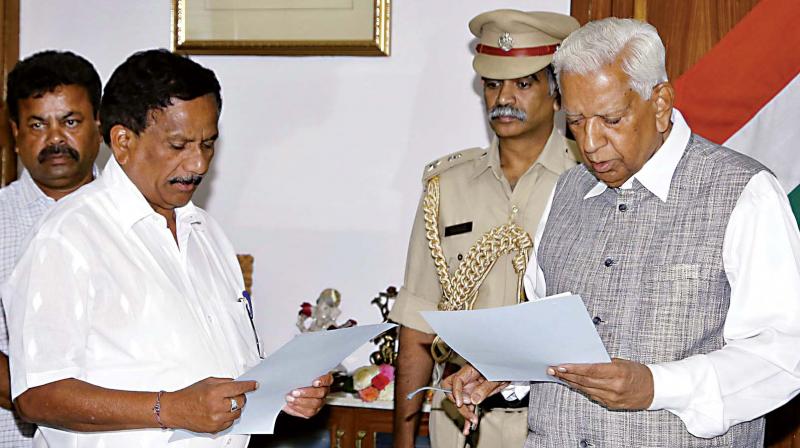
(126, 311)
(54, 103)
(685, 252)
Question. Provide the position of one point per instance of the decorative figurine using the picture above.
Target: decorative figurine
(323, 315)
(386, 342)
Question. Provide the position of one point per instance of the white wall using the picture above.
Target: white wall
(318, 170)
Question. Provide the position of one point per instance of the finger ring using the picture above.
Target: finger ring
(234, 405)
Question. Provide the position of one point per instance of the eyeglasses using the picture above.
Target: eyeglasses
(248, 305)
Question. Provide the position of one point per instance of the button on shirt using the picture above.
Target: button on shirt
(758, 369)
(103, 293)
(22, 204)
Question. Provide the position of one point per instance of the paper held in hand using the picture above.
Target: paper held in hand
(296, 364)
(519, 342)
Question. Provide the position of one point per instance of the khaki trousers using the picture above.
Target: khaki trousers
(499, 428)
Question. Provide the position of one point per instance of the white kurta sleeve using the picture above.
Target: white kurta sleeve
(46, 300)
(758, 369)
(534, 289)
(533, 281)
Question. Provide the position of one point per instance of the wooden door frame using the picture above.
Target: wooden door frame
(588, 10)
(9, 55)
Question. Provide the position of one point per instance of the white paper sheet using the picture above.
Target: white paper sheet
(306, 357)
(519, 342)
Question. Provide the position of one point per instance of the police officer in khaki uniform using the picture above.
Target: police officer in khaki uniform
(472, 234)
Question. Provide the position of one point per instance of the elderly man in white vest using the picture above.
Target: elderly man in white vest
(685, 252)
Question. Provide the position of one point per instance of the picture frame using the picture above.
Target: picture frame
(282, 27)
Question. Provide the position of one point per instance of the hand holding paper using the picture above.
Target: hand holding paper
(288, 371)
(552, 339)
(520, 342)
(307, 401)
(622, 384)
(205, 405)
(294, 365)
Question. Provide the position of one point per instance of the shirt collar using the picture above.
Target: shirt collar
(132, 205)
(656, 174)
(32, 193)
(492, 160)
(551, 158)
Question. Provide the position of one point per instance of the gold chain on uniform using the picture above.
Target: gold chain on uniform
(460, 290)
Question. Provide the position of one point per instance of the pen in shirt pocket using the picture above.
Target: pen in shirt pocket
(248, 305)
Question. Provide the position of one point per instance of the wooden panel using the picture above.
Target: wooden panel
(9, 54)
(359, 427)
(622, 8)
(688, 28)
(588, 10)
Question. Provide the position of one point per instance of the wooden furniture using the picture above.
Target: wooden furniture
(689, 28)
(246, 264)
(356, 424)
(9, 53)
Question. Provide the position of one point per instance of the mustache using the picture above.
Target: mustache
(507, 111)
(56, 149)
(193, 179)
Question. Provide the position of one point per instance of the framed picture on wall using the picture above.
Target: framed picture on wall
(282, 27)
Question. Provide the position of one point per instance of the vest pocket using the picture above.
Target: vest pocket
(670, 318)
(681, 275)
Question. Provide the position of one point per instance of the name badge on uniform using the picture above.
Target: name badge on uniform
(458, 229)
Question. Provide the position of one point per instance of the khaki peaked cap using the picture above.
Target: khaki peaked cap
(513, 44)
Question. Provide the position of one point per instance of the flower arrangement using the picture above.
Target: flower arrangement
(374, 382)
(305, 309)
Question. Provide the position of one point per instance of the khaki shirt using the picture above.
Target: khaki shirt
(473, 189)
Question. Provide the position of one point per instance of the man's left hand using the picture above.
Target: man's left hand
(307, 401)
(620, 384)
(470, 388)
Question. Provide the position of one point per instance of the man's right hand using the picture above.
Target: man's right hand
(205, 406)
(470, 388)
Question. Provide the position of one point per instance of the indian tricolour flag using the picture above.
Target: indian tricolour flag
(745, 92)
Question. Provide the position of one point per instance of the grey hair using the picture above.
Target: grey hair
(600, 42)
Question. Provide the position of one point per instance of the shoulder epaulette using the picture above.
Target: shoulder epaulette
(443, 164)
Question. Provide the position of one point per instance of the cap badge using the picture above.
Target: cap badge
(506, 42)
